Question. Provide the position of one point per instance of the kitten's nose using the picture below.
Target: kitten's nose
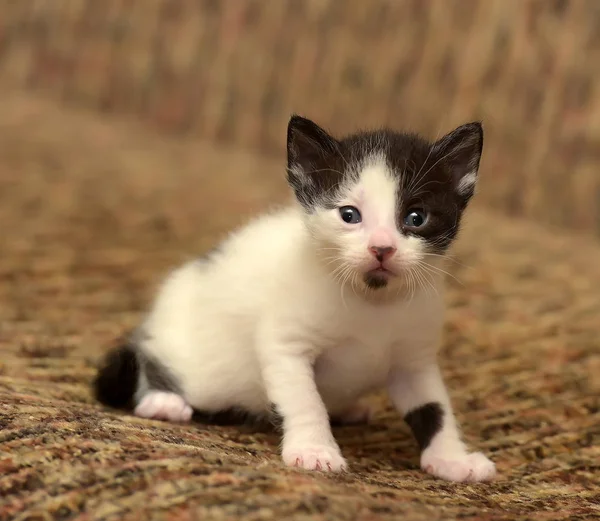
(382, 253)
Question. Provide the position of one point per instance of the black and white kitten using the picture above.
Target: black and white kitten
(311, 308)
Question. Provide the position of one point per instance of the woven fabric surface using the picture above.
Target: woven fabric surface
(93, 214)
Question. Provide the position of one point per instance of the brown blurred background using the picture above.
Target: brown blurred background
(232, 71)
(135, 133)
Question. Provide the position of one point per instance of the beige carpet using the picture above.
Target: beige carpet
(93, 213)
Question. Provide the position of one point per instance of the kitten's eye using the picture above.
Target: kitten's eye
(350, 214)
(415, 218)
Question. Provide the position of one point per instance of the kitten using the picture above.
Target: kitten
(309, 309)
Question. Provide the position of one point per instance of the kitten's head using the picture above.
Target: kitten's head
(382, 206)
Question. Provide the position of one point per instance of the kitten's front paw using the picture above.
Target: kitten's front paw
(467, 467)
(314, 457)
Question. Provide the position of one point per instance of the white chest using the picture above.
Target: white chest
(359, 347)
(355, 358)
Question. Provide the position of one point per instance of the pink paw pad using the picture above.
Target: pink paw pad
(467, 467)
(161, 405)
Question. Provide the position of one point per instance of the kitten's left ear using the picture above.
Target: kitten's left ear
(461, 151)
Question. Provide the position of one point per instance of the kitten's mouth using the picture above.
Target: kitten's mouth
(378, 277)
(381, 270)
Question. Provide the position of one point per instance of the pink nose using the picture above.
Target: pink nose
(382, 253)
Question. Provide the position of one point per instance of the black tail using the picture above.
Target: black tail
(117, 378)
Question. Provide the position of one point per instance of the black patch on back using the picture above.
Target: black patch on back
(117, 378)
(425, 422)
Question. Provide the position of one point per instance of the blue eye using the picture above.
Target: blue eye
(415, 218)
(350, 215)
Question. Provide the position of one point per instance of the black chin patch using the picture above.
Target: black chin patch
(375, 281)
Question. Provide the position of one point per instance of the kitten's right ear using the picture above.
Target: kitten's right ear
(461, 151)
(307, 145)
(311, 151)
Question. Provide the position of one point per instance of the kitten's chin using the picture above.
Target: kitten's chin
(378, 278)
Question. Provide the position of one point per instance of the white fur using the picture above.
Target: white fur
(376, 196)
(466, 183)
(281, 316)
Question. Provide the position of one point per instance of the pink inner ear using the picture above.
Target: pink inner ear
(382, 238)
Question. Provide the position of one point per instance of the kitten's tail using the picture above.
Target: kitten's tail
(117, 378)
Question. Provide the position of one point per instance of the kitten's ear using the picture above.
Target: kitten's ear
(461, 151)
(311, 154)
(307, 145)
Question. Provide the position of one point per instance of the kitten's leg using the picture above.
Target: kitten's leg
(128, 375)
(307, 438)
(158, 394)
(420, 394)
(163, 405)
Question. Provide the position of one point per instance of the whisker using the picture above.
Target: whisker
(329, 248)
(434, 269)
(331, 260)
(353, 283)
(419, 281)
(411, 285)
(347, 274)
(429, 282)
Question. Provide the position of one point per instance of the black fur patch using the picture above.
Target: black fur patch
(234, 416)
(316, 163)
(159, 378)
(117, 378)
(375, 282)
(428, 173)
(425, 422)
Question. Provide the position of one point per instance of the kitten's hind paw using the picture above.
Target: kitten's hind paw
(161, 405)
(467, 467)
(314, 457)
